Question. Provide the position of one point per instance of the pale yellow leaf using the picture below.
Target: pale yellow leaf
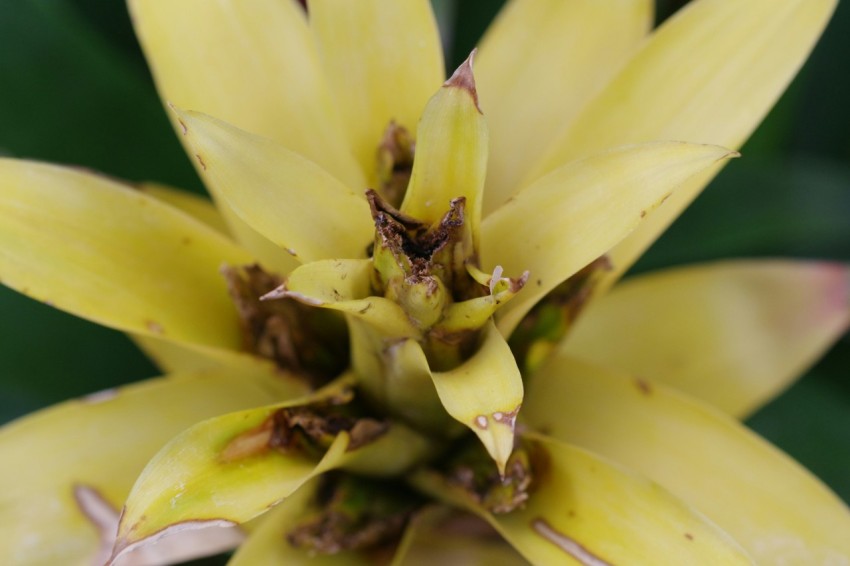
(539, 63)
(383, 61)
(771, 505)
(733, 334)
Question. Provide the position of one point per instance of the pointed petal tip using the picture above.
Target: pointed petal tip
(464, 78)
(497, 433)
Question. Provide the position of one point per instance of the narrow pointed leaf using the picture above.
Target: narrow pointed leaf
(733, 334)
(540, 62)
(451, 153)
(288, 199)
(574, 215)
(586, 510)
(709, 75)
(196, 206)
(114, 255)
(485, 394)
(771, 505)
(268, 78)
(100, 443)
(383, 61)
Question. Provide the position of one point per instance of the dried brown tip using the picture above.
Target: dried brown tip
(464, 78)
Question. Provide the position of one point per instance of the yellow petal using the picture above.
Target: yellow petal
(223, 471)
(196, 206)
(189, 484)
(383, 61)
(485, 394)
(100, 444)
(113, 255)
(708, 75)
(539, 63)
(288, 199)
(344, 285)
(253, 64)
(584, 509)
(451, 152)
(574, 215)
(439, 535)
(175, 357)
(733, 334)
(268, 545)
(775, 509)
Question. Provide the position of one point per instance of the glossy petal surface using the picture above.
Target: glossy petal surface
(286, 198)
(111, 254)
(539, 63)
(572, 216)
(772, 506)
(101, 442)
(733, 334)
(709, 75)
(383, 61)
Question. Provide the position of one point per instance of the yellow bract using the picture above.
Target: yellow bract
(734, 334)
(768, 503)
(539, 63)
(101, 442)
(383, 61)
(575, 214)
(109, 253)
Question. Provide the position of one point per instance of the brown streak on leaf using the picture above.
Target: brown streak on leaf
(569, 545)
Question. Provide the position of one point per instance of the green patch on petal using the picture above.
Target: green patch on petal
(89, 451)
(232, 468)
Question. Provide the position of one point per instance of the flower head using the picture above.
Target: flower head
(411, 340)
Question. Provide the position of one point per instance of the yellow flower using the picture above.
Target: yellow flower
(599, 135)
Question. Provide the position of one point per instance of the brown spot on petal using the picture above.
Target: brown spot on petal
(201, 161)
(464, 78)
(643, 386)
(569, 545)
(689, 536)
(154, 327)
(481, 422)
(183, 127)
(507, 418)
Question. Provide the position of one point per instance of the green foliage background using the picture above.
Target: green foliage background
(74, 89)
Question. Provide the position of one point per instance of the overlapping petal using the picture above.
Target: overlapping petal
(114, 255)
(539, 63)
(733, 334)
(268, 79)
(775, 509)
(383, 61)
(223, 471)
(99, 445)
(451, 153)
(587, 510)
(577, 213)
(288, 199)
(708, 75)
